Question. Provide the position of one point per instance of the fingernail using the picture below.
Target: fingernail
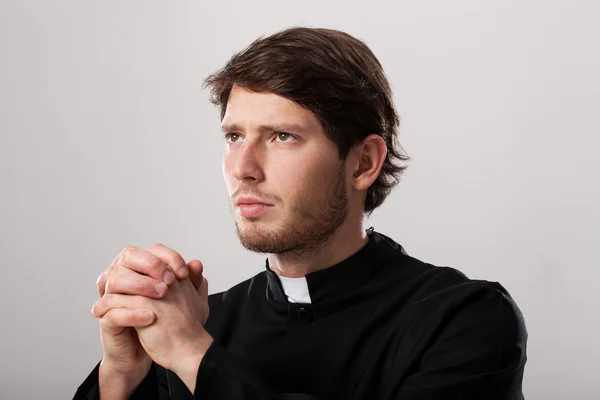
(160, 288)
(146, 315)
(169, 277)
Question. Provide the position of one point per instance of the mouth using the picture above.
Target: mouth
(251, 207)
(253, 210)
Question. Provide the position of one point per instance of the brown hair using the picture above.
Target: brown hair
(332, 74)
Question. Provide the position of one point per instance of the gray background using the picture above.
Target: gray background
(108, 140)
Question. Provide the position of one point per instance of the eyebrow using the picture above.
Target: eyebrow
(280, 127)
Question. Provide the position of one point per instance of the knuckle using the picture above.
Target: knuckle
(117, 269)
(140, 285)
(96, 308)
(100, 282)
(128, 317)
(128, 251)
(110, 319)
(103, 303)
(104, 322)
(177, 261)
(157, 265)
(112, 283)
(112, 270)
(116, 260)
(170, 256)
(176, 264)
(156, 245)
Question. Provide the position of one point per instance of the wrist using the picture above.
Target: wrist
(116, 385)
(187, 366)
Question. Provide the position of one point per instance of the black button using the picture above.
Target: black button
(304, 316)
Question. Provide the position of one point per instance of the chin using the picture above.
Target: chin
(258, 237)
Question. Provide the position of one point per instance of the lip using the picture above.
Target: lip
(251, 201)
(252, 207)
(253, 210)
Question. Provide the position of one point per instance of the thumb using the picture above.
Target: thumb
(195, 267)
(203, 290)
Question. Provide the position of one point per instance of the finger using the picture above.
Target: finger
(170, 257)
(116, 319)
(112, 301)
(101, 284)
(203, 292)
(139, 261)
(203, 289)
(101, 281)
(196, 268)
(129, 282)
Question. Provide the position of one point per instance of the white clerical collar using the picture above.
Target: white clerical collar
(296, 289)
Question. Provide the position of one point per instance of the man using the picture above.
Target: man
(310, 133)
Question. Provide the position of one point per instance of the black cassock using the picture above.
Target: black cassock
(380, 325)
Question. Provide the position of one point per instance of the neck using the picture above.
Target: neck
(347, 240)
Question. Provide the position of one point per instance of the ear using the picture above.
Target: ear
(369, 157)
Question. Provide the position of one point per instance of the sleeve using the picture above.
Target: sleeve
(479, 354)
(222, 376)
(151, 388)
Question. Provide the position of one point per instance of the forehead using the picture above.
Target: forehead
(252, 109)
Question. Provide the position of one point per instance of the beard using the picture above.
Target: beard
(313, 220)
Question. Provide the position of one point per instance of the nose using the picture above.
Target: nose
(246, 164)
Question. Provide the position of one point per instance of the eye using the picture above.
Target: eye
(285, 137)
(232, 137)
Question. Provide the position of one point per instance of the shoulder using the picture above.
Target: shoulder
(469, 334)
(478, 325)
(452, 311)
(448, 291)
(438, 285)
(475, 323)
(441, 296)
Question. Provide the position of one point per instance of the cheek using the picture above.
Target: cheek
(226, 169)
(297, 177)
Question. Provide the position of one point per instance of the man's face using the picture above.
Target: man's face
(285, 180)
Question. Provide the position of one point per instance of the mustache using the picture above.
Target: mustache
(252, 192)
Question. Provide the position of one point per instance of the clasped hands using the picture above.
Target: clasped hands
(153, 306)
